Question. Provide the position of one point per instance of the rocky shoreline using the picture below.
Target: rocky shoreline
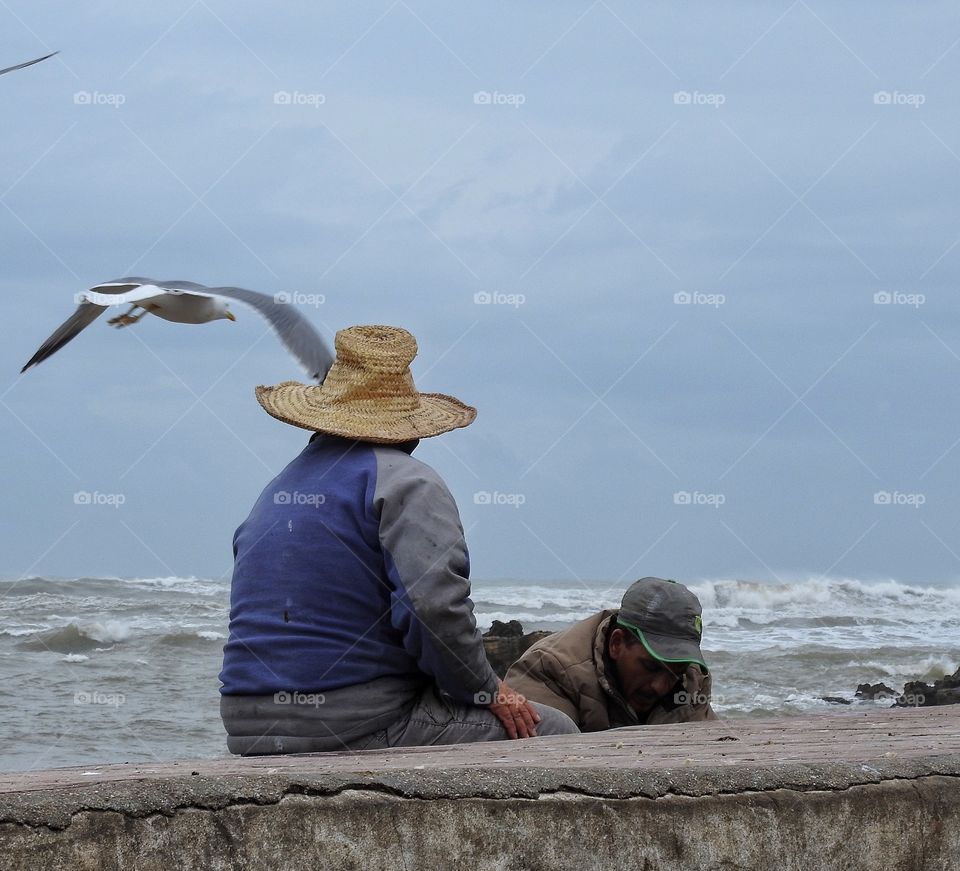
(506, 642)
(945, 691)
(916, 693)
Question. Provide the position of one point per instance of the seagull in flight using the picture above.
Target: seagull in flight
(28, 63)
(185, 302)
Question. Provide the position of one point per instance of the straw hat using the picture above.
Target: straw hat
(368, 394)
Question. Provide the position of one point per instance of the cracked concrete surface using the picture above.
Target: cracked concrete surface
(880, 789)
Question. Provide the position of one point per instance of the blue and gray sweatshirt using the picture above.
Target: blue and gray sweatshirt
(351, 567)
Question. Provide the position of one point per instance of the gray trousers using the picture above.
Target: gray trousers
(354, 718)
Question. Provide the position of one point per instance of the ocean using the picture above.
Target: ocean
(97, 670)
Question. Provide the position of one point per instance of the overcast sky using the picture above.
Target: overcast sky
(715, 248)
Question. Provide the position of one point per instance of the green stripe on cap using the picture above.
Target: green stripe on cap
(638, 632)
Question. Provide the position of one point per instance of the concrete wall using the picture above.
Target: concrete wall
(698, 796)
(897, 825)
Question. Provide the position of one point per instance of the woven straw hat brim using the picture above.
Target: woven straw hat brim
(303, 405)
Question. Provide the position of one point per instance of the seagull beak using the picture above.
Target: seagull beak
(231, 316)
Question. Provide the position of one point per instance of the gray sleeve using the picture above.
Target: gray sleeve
(426, 560)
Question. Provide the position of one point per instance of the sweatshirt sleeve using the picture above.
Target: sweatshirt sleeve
(426, 561)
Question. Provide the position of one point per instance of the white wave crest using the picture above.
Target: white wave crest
(831, 595)
(108, 631)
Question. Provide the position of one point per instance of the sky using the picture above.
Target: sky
(696, 266)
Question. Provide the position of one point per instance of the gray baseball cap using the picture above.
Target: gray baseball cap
(666, 617)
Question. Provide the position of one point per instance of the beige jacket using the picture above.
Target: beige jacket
(570, 671)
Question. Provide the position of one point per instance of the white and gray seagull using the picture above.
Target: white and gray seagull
(186, 302)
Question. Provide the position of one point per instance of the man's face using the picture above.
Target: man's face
(643, 679)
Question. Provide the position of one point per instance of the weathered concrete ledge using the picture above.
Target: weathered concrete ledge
(847, 791)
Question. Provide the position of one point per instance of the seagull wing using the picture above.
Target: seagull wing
(85, 314)
(28, 63)
(129, 291)
(298, 335)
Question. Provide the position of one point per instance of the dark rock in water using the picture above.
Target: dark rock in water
(876, 692)
(836, 700)
(499, 629)
(505, 643)
(918, 694)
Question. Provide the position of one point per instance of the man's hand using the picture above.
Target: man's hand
(516, 714)
(697, 687)
(692, 703)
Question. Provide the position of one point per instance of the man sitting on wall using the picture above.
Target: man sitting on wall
(640, 664)
(351, 623)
